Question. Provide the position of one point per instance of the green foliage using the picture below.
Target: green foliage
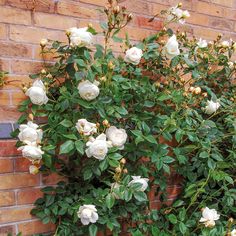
(165, 123)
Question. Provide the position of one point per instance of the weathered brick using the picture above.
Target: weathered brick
(54, 21)
(5, 98)
(220, 23)
(6, 165)
(11, 181)
(13, 214)
(22, 164)
(15, 50)
(15, 16)
(209, 9)
(39, 5)
(71, 8)
(6, 230)
(34, 35)
(3, 31)
(33, 227)
(28, 196)
(7, 198)
(5, 64)
(138, 6)
(38, 55)
(26, 67)
(143, 22)
(7, 147)
(95, 2)
(8, 114)
(15, 81)
(17, 97)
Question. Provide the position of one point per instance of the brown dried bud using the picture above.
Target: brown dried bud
(118, 169)
(123, 161)
(31, 116)
(130, 16)
(204, 95)
(98, 125)
(116, 10)
(197, 90)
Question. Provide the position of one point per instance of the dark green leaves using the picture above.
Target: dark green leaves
(67, 147)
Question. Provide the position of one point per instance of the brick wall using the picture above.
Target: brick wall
(22, 24)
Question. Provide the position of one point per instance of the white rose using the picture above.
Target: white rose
(88, 90)
(98, 147)
(171, 49)
(233, 232)
(87, 214)
(175, 13)
(211, 107)
(79, 36)
(37, 93)
(231, 65)
(225, 44)
(202, 43)
(133, 55)
(209, 216)
(138, 179)
(85, 127)
(31, 151)
(33, 169)
(30, 132)
(116, 136)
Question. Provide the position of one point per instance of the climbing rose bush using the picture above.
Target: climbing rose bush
(118, 127)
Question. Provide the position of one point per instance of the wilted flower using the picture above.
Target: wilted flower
(209, 216)
(133, 55)
(33, 169)
(30, 133)
(98, 147)
(211, 107)
(87, 214)
(88, 90)
(85, 127)
(118, 137)
(37, 93)
(142, 181)
(171, 49)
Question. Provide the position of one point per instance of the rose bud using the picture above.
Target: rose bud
(197, 90)
(123, 161)
(43, 42)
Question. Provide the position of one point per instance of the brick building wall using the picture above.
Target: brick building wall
(22, 24)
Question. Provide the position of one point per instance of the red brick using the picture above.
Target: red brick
(54, 21)
(15, 50)
(15, 16)
(223, 24)
(8, 114)
(95, 2)
(46, 56)
(7, 147)
(71, 8)
(7, 198)
(34, 35)
(209, 9)
(38, 5)
(51, 179)
(17, 97)
(226, 3)
(15, 81)
(3, 31)
(5, 64)
(198, 19)
(13, 214)
(11, 181)
(6, 230)
(5, 98)
(26, 67)
(22, 164)
(28, 196)
(138, 6)
(6, 165)
(35, 227)
(142, 22)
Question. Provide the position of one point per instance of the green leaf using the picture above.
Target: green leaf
(80, 62)
(140, 196)
(110, 200)
(151, 139)
(47, 160)
(79, 145)
(172, 218)
(93, 230)
(182, 228)
(67, 147)
(66, 123)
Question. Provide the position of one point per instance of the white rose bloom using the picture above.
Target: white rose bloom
(133, 55)
(178, 14)
(209, 216)
(225, 44)
(37, 93)
(87, 214)
(79, 36)
(118, 137)
(30, 132)
(202, 43)
(33, 169)
(98, 147)
(231, 65)
(233, 232)
(31, 151)
(87, 90)
(171, 49)
(211, 107)
(138, 179)
(85, 127)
